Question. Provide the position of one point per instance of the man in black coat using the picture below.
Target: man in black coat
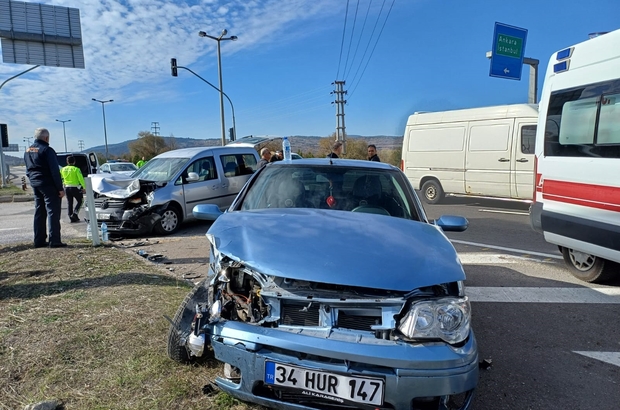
(372, 153)
(44, 174)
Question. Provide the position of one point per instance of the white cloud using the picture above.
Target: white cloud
(130, 42)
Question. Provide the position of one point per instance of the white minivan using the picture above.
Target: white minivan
(487, 151)
(162, 194)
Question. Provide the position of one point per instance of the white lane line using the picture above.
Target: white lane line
(607, 357)
(513, 250)
(10, 229)
(497, 211)
(543, 295)
(484, 258)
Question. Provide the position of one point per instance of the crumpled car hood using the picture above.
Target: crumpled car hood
(340, 248)
(115, 185)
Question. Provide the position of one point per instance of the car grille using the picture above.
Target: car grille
(109, 203)
(299, 314)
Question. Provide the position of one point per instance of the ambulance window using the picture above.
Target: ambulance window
(578, 120)
(609, 120)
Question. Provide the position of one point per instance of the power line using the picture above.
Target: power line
(344, 30)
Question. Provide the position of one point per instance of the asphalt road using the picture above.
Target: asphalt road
(553, 342)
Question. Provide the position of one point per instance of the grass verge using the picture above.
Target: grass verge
(85, 325)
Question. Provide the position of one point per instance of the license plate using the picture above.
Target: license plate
(103, 216)
(335, 387)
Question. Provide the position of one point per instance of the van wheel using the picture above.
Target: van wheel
(432, 191)
(170, 221)
(588, 268)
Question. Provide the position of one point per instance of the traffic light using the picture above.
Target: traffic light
(173, 66)
(5, 135)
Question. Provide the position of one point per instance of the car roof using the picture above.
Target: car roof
(253, 140)
(338, 162)
(199, 151)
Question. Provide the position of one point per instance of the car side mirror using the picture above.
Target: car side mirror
(192, 177)
(451, 223)
(207, 212)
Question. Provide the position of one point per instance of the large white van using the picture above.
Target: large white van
(577, 203)
(486, 151)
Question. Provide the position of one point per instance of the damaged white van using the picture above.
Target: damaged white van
(163, 193)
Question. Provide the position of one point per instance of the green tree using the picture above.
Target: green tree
(148, 146)
(391, 156)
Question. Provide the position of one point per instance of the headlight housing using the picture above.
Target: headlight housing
(448, 319)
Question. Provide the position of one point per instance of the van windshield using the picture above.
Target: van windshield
(161, 169)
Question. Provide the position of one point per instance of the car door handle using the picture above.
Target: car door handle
(522, 160)
(224, 185)
(504, 160)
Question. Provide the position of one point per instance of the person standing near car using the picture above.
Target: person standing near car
(372, 153)
(74, 188)
(44, 174)
(265, 156)
(140, 163)
(336, 150)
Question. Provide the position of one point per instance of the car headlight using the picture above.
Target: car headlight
(447, 319)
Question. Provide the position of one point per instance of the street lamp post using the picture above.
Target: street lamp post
(64, 132)
(105, 132)
(219, 70)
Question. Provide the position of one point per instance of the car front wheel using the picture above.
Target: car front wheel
(588, 268)
(181, 327)
(170, 221)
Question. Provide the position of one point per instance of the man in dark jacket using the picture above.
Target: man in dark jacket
(44, 174)
(372, 153)
(336, 150)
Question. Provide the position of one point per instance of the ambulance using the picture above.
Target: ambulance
(577, 157)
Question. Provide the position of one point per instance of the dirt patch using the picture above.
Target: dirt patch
(183, 257)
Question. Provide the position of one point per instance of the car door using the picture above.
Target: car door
(237, 169)
(488, 158)
(523, 165)
(207, 189)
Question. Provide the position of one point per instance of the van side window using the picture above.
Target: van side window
(584, 122)
(238, 164)
(528, 139)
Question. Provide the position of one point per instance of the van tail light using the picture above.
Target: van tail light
(402, 165)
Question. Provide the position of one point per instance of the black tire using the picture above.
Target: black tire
(181, 326)
(170, 221)
(589, 268)
(432, 192)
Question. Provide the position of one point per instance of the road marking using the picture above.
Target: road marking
(607, 357)
(496, 211)
(513, 250)
(544, 295)
(10, 229)
(483, 258)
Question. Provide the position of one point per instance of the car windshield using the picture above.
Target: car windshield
(379, 191)
(122, 167)
(161, 169)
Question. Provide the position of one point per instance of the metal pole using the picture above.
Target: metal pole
(1, 150)
(64, 131)
(105, 132)
(219, 70)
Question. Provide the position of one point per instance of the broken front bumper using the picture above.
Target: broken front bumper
(410, 371)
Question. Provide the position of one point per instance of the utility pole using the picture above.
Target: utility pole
(341, 135)
(155, 128)
(81, 145)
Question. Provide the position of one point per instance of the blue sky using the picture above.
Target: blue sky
(430, 56)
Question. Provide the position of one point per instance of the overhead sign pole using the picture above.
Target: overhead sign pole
(508, 51)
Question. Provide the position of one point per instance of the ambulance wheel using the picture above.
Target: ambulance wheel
(588, 268)
(432, 192)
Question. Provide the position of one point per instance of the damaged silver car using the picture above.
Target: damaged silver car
(328, 288)
(161, 195)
